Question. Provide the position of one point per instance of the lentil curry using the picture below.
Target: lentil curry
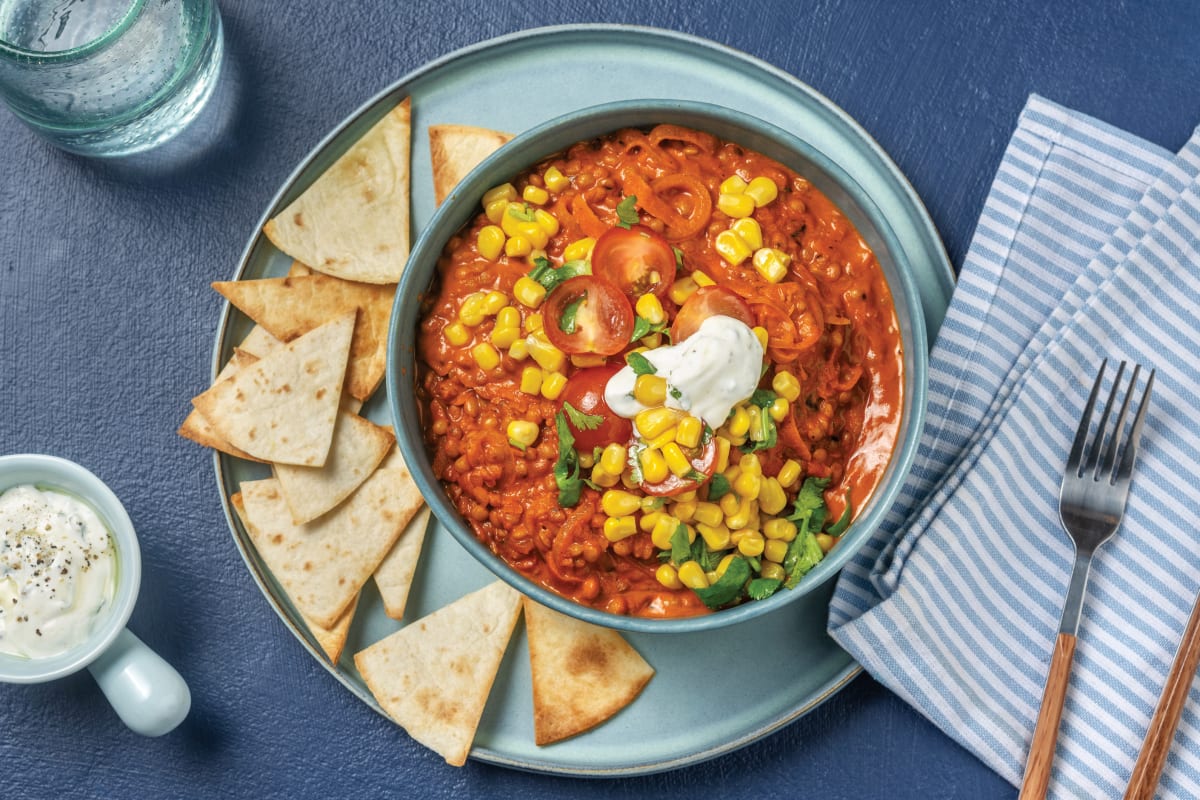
(659, 372)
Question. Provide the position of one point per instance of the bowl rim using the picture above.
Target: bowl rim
(543, 140)
(68, 477)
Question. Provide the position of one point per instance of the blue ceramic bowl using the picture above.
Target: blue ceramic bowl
(559, 134)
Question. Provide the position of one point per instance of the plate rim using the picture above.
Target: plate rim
(941, 270)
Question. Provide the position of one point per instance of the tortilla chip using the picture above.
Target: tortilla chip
(283, 407)
(323, 564)
(292, 306)
(582, 673)
(352, 222)
(357, 448)
(259, 342)
(433, 677)
(332, 639)
(196, 427)
(455, 150)
(394, 576)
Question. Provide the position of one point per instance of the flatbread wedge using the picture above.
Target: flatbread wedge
(582, 673)
(357, 448)
(454, 150)
(394, 576)
(323, 564)
(332, 639)
(196, 428)
(283, 407)
(433, 677)
(292, 306)
(353, 221)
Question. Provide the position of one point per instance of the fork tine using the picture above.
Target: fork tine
(1108, 465)
(1076, 458)
(1093, 459)
(1125, 469)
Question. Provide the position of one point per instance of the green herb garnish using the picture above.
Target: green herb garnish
(678, 258)
(640, 364)
(718, 487)
(583, 422)
(641, 328)
(843, 522)
(810, 504)
(566, 469)
(521, 211)
(677, 394)
(728, 587)
(627, 212)
(550, 277)
(681, 549)
(762, 588)
(566, 320)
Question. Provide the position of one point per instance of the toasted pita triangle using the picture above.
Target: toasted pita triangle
(331, 639)
(433, 677)
(323, 564)
(455, 150)
(394, 576)
(352, 222)
(259, 342)
(196, 427)
(283, 407)
(582, 673)
(292, 306)
(357, 448)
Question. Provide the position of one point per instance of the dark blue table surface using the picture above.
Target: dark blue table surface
(107, 325)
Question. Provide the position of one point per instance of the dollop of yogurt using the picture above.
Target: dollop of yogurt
(57, 572)
(707, 374)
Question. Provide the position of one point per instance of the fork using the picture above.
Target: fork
(1091, 503)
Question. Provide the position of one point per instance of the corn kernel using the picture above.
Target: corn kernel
(692, 575)
(617, 503)
(654, 466)
(531, 380)
(825, 542)
(553, 384)
(618, 528)
(584, 360)
(722, 453)
(504, 336)
(746, 509)
(701, 278)
(740, 424)
(494, 211)
(728, 503)
(771, 497)
(762, 190)
(734, 184)
(761, 334)
(708, 513)
(579, 249)
(494, 301)
(676, 461)
(750, 231)
(724, 563)
(517, 246)
(735, 205)
(529, 292)
(751, 544)
(554, 179)
(686, 497)
(650, 390)
(748, 485)
(731, 247)
(775, 550)
(663, 530)
(682, 289)
(518, 350)
(522, 432)
(546, 221)
(535, 194)
(771, 264)
(653, 421)
(533, 323)
(684, 511)
(779, 409)
(688, 431)
(662, 440)
(613, 458)
(456, 334)
(649, 308)
(757, 432)
(789, 473)
(750, 463)
(507, 316)
(505, 191)
(586, 460)
(603, 478)
(667, 576)
(781, 529)
(547, 356)
(490, 241)
(485, 355)
(650, 519)
(472, 310)
(715, 536)
(535, 233)
(513, 218)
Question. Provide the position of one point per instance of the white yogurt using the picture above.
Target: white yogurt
(58, 572)
(709, 373)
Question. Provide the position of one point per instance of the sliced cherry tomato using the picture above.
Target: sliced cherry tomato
(636, 259)
(587, 314)
(704, 462)
(705, 302)
(585, 392)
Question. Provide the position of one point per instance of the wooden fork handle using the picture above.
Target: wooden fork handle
(1045, 735)
(1144, 781)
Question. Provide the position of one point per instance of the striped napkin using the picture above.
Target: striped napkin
(1088, 247)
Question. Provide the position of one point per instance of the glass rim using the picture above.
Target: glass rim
(9, 49)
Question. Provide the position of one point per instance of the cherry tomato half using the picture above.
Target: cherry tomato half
(585, 392)
(705, 302)
(704, 462)
(636, 259)
(587, 314)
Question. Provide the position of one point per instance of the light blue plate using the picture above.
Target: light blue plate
(787, 663)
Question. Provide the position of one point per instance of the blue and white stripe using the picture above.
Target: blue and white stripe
(1088, 247)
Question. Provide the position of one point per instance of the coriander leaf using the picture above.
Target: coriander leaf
(728, 587)
(678, 258)
(843, 522)
(770, 435)
(627, 212)
(582, 421)
(809, 502)
(762, 588)
(643, 327)
(695, 475)
(707, 559)
(550, 277)
(763, 398)
(566, 320)
(640, 364)
(718, 487)
(681, 550)
(521, 211)
(566, 469)
(807, 555)
(678, 395)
